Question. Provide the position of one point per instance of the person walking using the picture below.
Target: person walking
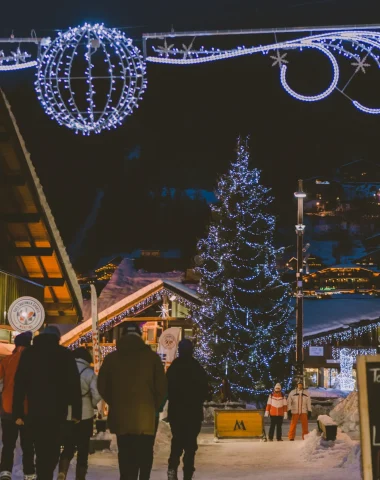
(77, 435)
(132, 382)
(299, 408)
(187, 391)
(276, 408)
(11, 431)
(48, 377)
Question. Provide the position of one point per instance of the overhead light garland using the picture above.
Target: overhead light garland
(347, 334)
(360, 47)
(99, 60)
(354, 352)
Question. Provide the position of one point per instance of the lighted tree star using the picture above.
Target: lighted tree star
(361, 64)
(279, 59)
(166, 49)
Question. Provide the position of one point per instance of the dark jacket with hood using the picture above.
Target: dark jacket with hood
(187, 390)
(132, 381)
(48, 377)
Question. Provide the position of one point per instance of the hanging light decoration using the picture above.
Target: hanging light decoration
(90, 78)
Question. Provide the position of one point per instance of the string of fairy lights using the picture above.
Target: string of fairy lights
(90, 78)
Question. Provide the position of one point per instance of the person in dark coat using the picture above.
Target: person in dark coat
(11, 431)
(187, 391)
(48, 378)
(132, 382)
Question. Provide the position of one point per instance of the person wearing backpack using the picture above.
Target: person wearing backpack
(277, 407)
(76, 436)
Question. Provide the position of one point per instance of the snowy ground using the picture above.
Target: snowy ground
(312, 459)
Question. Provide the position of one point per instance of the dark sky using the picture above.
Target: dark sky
(190, 116)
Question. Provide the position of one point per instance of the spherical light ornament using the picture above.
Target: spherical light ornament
(90, 78)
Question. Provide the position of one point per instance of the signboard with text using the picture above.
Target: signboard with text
(239, 424)
(368, 372)
(316, 351)
(26, 314)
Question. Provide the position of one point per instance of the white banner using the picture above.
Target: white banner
(168, 344)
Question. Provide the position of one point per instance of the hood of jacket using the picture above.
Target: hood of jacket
(130, 344)
(81, 362)
(46, 342)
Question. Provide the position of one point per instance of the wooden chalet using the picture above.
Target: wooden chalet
(33, 259)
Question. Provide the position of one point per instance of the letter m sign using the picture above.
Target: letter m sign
(239, 426)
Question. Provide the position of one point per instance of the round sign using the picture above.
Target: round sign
(26, 314)
(169, 341)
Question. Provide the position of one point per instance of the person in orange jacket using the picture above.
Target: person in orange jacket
(8, 369)
(277, 410)
(299, 407)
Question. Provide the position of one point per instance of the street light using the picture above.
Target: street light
(300, 230)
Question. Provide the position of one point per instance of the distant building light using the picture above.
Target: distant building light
(300, 194)
(320, 182)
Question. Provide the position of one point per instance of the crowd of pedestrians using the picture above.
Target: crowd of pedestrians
(50, 393)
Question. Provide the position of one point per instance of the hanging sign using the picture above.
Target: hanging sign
(316, 351)
(368, 371)
(168, 344)
(26, 314)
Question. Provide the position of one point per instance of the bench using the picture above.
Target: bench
(327, 427)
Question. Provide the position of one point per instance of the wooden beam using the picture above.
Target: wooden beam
(51, 282)
(12, 181)
(20, 217)
(55, 306)
(150, 319)
(31, 251)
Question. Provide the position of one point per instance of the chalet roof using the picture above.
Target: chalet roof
(360, 161)
(28, 232)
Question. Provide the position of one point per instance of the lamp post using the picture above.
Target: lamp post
(300, 229)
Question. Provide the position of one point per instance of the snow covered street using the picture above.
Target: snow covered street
(311, 459)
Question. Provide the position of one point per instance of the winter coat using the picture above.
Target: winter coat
(48, 377)
(277, 404)
(90, 395)
(299, 401)
(187, 390)
(132, 381)
(8, 369)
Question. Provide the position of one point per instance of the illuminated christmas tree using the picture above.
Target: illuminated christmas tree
(242, 324)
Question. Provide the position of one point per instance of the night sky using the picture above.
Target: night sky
(190, 116)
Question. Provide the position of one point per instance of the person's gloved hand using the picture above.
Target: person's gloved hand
(309, 415)
(285, 415)
(266, 414)
(289, 414)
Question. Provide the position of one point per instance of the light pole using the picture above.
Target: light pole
(300, 229)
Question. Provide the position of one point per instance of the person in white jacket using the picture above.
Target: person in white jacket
(77, 435)
(299, 408)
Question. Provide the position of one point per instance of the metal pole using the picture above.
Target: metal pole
(300, 228)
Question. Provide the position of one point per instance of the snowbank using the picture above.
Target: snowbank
(346, 413)
(326, 393)
(342, 453)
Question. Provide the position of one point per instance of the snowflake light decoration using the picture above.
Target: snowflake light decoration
(90, 78)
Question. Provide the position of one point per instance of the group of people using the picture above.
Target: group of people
(49, 395)
(297, 407)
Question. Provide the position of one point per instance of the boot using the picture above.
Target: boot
(63, 468)
(188, 475)
(172, 474)
(81, 473)
(30, 477)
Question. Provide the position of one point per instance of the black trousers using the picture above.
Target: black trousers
(10, 435)
(275, 422)
(76, 437)
(184, 440)
(135, 456)
(46, 434)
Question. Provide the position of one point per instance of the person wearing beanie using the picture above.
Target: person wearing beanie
(77, 436)
(132, 382)
(299, 408)
(187, 391)
(11, 431)
(277, 410)
(48, 377)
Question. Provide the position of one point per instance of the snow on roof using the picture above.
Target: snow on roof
(321, 316)
(72, 279)
(125, 281)
(182, 288)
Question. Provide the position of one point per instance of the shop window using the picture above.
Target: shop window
(330, 377)
(311, 377)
